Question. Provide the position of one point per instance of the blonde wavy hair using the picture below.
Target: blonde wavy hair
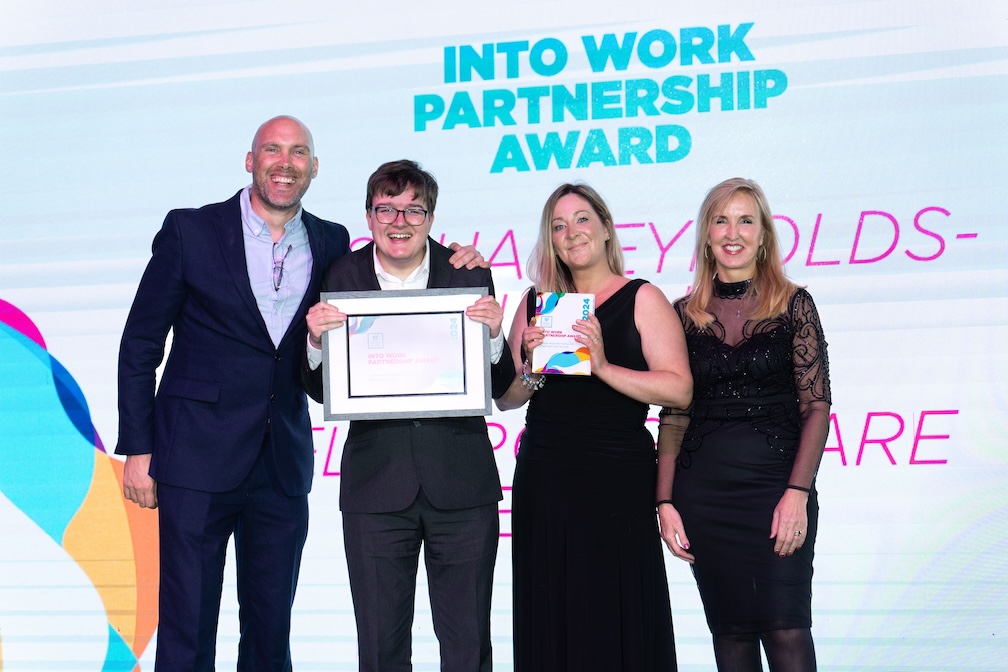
(770, 286)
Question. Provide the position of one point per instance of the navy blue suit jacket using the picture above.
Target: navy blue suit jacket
(386, 462)
(224, 381)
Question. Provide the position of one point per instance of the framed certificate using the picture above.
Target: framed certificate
(406, 354)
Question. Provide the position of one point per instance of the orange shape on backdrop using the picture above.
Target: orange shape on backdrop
(116, 544)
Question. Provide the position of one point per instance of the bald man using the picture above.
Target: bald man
(225, 446)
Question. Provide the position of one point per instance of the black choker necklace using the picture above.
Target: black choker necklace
(731, 290)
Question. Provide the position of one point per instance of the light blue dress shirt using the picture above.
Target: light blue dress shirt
(278, 272)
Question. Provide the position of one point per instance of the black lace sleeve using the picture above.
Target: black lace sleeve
(811, 375)
(811, 364)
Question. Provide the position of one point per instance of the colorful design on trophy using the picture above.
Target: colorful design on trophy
(545, 303)
(563, 362)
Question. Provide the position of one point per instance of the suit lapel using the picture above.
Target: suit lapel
(229, 232)
(365, 278)
(440, 270)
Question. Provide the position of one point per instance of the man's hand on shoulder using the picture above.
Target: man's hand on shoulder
(467, 256)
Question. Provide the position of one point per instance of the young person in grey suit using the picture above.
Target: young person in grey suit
(424, 481)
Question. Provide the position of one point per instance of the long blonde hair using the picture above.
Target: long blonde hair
(544, 267)
(770, 286)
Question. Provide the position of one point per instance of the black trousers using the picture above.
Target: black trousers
(460, 549)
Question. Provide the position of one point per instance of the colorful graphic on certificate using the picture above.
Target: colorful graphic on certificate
(556, 313)
(403, 354)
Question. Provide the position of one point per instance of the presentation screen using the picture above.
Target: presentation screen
(876, 130)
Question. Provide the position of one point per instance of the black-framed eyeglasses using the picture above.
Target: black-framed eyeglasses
(386, 214)
(278, 265)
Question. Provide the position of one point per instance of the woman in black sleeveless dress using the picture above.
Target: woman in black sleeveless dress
(738, 500)
(590, 591)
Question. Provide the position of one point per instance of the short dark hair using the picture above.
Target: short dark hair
(394, 177)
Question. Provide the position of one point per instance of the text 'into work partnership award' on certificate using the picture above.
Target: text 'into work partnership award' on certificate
(556, 313)
(406, 354)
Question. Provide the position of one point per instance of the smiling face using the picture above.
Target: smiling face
(400, 246)
(735, 234)
(579, 235)
(282, 164)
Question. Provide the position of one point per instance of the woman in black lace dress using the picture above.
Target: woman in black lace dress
(590, 591)
(736, 492)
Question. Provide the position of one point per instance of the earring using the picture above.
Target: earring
(763, 250)
(706, 252)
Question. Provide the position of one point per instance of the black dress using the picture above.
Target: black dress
(751, 382)
(590, 591)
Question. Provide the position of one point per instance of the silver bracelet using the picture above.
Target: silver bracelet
(530, 383)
